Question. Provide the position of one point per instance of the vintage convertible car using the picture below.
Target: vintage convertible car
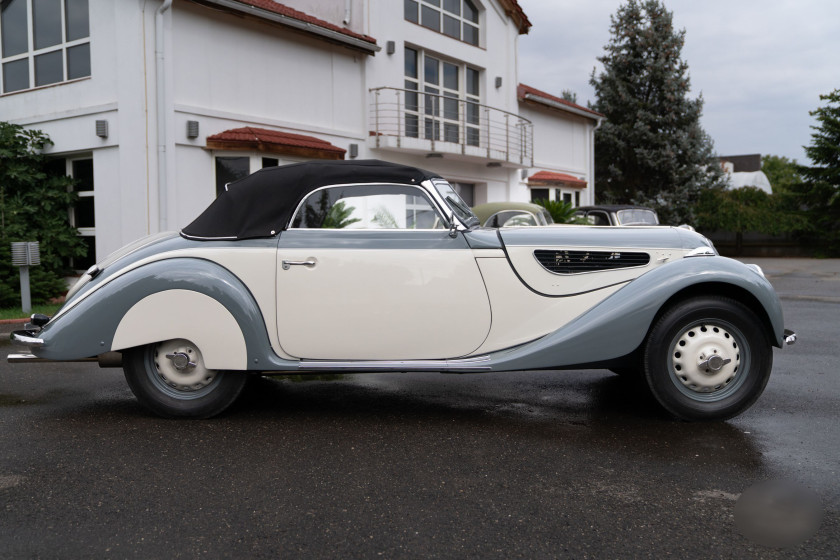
(364, 266)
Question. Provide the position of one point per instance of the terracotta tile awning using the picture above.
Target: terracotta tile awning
(274, 142)
(552, 179)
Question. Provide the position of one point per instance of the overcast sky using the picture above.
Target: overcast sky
(760, 64)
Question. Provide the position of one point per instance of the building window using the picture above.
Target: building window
(43, 42)
(448, 110)
(455, 18)
(230, 169)
(539, 194)
(82, 214)
(577, 199)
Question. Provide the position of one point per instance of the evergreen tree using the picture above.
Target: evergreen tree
(651, 150)
(819, 193)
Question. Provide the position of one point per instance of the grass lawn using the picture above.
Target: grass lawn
(16, 313)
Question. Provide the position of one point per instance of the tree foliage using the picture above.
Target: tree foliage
(33, 207)
(561, 212)
(818, 195)
(651, 150)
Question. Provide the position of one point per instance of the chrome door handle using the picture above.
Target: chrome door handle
(307, 263)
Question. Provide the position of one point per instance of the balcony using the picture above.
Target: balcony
(410, 121)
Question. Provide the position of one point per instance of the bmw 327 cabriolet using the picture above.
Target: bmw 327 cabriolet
(363, 266)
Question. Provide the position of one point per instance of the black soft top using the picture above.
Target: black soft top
(260, 205)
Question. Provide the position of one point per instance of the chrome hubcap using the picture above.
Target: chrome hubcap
(179, 365)
(706, 358)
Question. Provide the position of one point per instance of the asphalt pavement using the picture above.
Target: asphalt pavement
(576, 464)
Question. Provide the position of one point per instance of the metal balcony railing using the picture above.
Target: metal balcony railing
(414, 120)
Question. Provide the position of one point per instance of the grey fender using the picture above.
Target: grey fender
(89, 328)
(618, 325)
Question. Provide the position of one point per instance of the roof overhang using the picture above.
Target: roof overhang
(515, 12)
(254, 139)
(533, 95)
(554, 179)
(277, 13)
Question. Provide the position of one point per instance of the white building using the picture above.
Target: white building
(155, 104)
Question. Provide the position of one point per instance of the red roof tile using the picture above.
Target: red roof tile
(277, 8)
(252, 137)
(553, 177)
(523, 90)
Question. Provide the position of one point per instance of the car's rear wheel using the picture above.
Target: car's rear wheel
(170, 379)
(707, 358)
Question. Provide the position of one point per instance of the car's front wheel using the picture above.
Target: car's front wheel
(707, 358)
(170, 379)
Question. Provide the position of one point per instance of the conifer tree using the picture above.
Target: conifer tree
(651, 150)
(819, 193)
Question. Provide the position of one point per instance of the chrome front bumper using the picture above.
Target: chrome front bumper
(26, 338)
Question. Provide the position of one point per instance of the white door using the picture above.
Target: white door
(382, 281)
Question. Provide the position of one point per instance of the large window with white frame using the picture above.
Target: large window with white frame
(456, 18)
(43, 42)
(448, 109)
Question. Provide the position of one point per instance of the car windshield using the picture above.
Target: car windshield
(546, 217)
(456, 203)
(637, 217)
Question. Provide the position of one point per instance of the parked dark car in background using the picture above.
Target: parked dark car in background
(618, 215)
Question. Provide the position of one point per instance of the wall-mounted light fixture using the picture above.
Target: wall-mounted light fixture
(192, 129)
(354, 151)
(494, 164)
(102, 129)
(390, 47)
(498, 82)
(433, 155)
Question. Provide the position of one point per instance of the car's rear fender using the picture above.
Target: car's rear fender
(619, 324)
(187, 298)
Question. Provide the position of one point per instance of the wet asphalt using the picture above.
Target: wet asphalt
(576, 464)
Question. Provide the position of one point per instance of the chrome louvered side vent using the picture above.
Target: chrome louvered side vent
(572, 262)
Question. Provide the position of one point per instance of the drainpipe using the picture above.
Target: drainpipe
(160, 104)
(347, 6)
(599, 121)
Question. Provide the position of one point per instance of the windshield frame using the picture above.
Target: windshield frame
(455, 204)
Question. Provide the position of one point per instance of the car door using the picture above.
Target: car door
(370, 272)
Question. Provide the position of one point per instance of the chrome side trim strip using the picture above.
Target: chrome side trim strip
(32, 358)
(481, 363)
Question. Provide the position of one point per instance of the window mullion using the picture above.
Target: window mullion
(63, 9)
(30, 41)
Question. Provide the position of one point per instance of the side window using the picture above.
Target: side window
(368, 207)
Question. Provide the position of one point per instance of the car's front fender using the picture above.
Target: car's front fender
(618, 325)
(216, 312)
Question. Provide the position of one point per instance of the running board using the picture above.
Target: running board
(463, 365)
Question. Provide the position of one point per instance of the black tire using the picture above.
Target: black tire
(193, 391)
(679, 367)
